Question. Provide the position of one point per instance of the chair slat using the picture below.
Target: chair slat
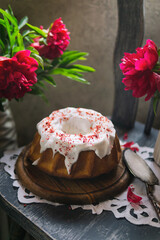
(129, 37)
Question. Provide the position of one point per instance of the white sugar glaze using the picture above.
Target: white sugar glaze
(72, 130)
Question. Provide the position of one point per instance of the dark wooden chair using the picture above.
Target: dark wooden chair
(47, 222)
(129, 37)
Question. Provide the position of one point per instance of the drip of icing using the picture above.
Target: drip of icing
(72, 130)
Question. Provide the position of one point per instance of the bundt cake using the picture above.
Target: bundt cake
(75, 143)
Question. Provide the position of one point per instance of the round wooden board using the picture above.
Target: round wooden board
(66, 191)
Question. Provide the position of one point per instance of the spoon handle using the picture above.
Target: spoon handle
(153, 201)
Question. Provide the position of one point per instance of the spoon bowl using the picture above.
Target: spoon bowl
(139, 168)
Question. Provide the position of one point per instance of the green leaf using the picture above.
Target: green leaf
(43, 41)
(82, 59)
(10, 13)
(49, 79)
(28, 39)
(67, 53)
(41, 83)
(156, 99)
(3, 33)
(22, 22)
(39, 72)
(81, 68)
(15, 50)
(55, 62)
(37, 30)
(11, 18)
(10, 10)
(33, 50)
(47, 61)
(12, 30)
(33, 35)
(71, 58)
(20, 41)
(38, 59)
(26, 32)
(72, 71)
(38, 91)
(155, 102)
(8, 30)
(50, 26)
(2, 45)
(156, 68)
(66, 73)
(2, 22)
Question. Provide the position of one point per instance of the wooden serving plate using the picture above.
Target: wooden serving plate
(66, 191)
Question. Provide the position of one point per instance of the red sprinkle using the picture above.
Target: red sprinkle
(51, 130)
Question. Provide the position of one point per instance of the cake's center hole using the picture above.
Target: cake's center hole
(76, 125)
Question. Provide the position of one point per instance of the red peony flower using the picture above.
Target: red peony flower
(57, 41)
(137, 69)
(17, 75)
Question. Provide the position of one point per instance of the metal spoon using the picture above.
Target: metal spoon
(139, 168)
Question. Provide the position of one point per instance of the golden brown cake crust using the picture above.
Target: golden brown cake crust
(88, 165)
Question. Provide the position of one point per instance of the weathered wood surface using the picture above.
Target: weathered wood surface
(49, 223)
(129, 37)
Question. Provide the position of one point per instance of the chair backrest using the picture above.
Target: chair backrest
(129, 37)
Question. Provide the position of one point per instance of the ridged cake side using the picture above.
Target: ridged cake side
(88, 164)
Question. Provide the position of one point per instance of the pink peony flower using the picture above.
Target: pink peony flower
(137, 69)
(57, 41)
(17, 75)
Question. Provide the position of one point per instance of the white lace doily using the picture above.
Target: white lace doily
(142, 213)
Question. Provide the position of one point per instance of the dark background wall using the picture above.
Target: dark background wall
(93, 27)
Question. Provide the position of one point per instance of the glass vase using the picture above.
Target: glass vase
(8, 141)
(8, 136)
